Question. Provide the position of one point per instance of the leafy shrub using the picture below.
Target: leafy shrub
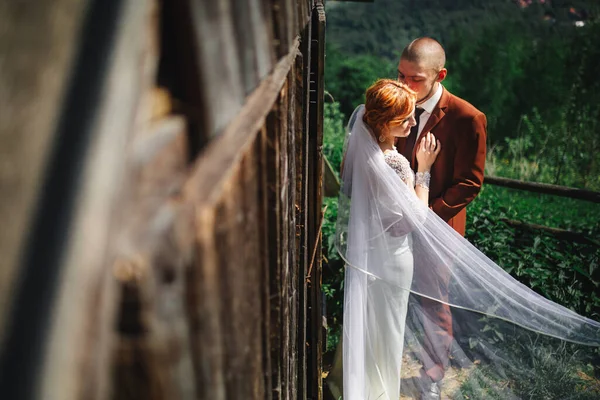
(563, 271)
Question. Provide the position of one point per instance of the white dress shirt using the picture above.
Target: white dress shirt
(428, 106)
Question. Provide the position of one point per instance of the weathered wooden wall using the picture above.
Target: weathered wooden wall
(175, 253)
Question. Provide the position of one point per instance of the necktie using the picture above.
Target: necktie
(412, 137)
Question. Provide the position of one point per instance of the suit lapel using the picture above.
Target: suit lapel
(438, 113)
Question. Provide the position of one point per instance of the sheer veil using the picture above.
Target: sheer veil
(403, 261)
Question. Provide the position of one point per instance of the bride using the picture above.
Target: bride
(397, 251)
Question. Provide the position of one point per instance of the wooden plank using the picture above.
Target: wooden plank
(265, 213)
(230, 262)
(285, 24)
(64, 347)
(218, 62)
(284, 222)
(206, 307)
(315, 179)
(263, 37)
(71, 369)
(555, 190)
(153, 356)
(302, 246)
(34, 78)
(254, 50)
(246, 51)
(291, 19)
(240, 285)
(180, 71)
(275, 249)
(255, 284)
(304, 9)
(280, 33)
(213, 169)
(291, 330)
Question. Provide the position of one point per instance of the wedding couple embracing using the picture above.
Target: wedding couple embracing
(426, 315)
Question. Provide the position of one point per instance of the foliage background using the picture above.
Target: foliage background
(533, 72)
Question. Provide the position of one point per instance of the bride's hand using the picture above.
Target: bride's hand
(428, 150)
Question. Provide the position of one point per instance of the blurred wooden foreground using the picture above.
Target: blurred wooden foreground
(161, 176)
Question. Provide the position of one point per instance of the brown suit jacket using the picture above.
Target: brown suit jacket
(457, 174)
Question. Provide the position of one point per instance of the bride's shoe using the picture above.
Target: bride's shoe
(431, 391)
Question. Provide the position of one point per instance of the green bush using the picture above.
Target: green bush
(333, 135)
(563, 271)
(333, 267)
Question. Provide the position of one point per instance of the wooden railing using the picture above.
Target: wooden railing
(555, 190)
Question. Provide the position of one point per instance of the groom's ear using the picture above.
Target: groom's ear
(442, 74)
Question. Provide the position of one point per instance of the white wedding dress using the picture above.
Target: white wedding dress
(387, 306)
(398, 253)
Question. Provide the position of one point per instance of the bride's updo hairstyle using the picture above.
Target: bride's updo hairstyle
(388, 104)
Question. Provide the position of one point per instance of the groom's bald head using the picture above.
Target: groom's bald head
(426, 52)
(421, 67)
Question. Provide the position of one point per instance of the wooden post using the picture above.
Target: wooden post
(315, 173)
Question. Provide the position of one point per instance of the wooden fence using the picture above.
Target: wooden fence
(555, 190)
(162, 199)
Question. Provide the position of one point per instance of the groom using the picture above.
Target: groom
(456, 178)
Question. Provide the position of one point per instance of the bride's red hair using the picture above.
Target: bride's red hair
(388, 103)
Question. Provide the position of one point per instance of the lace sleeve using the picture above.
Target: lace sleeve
(400, 164)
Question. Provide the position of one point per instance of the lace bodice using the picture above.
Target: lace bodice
(400, 164)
